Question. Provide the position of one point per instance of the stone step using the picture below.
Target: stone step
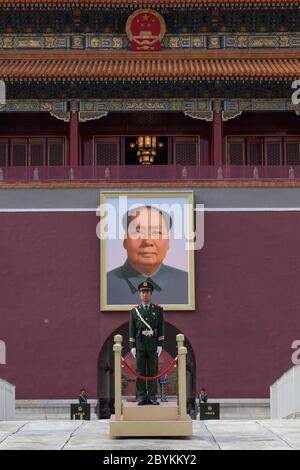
(166, 411)
(150, 428)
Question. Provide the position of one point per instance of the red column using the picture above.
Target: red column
(217, 144)
(74, 139)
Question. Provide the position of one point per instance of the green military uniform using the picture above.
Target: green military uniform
(146, 345)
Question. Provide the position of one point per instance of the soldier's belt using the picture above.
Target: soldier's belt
(147, 333)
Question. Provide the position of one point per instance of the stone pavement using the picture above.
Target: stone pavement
(94, 435)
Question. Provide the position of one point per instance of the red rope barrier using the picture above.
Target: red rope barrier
(149, 378)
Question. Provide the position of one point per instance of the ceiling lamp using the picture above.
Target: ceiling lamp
(146, 146)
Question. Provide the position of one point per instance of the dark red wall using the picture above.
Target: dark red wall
(247, 298)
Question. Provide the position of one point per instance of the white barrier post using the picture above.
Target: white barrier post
(118, 376)
(7, 401)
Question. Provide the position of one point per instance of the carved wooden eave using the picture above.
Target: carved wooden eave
(91, 116)
(201, 116)
(228, 115)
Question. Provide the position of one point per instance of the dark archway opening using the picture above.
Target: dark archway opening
(106, 368)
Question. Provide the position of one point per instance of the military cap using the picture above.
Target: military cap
(145, 285)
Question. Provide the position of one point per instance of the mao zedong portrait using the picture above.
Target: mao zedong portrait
(147, 243)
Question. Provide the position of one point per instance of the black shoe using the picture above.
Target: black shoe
(145, 401)
(154, 402)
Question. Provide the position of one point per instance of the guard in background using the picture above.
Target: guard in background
(83, 397)
(146, 336)
(203, 396)
(83, 409)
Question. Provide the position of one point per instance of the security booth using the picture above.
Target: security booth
(81, 411)
(209, 411)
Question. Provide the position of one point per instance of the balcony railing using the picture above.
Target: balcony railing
(132, 173)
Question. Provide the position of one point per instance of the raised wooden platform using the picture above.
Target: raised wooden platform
(150, 420)
(167, 411)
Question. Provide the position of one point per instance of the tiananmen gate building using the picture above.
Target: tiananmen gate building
(140, 97)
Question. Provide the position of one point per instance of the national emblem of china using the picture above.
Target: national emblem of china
(145, 30)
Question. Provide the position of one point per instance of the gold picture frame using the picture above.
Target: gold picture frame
(114, 279)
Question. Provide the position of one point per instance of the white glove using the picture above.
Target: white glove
(133, 352)
(159, 350)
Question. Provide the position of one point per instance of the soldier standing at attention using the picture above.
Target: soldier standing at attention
(83, 397)
(146, 336)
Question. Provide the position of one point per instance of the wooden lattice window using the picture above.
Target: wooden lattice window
(255, 151)
(186, 151)
(37, 152)
(32, 151)
(273, 152)
(19, 153)
(236, 151)
(4, 145)
(56, 151)
(292, 151)
(107, 151)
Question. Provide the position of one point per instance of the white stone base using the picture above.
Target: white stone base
(230, 408)
(243, 408)
(47, 409)
(7, 400)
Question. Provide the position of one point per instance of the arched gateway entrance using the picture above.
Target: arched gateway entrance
(106, 364)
